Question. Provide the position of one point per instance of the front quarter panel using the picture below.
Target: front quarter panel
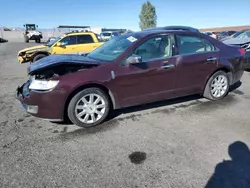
(100, 75)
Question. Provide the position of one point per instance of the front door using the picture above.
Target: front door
(197, 58)
(68, 43)
(151, 80)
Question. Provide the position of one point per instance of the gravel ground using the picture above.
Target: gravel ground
(177, 143)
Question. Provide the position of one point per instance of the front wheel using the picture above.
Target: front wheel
(26, 39)
(89, 107)
(39, 56)
(217, 86)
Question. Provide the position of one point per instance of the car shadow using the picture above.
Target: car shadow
(114, 120)
(192, 100)
(117, 113)
(233, 173)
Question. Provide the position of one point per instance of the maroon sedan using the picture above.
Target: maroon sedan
(131, 69)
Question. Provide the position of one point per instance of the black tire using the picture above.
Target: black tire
(208, 89)
(38, 40)
(39, 56)
(26, 39)
(73, 102)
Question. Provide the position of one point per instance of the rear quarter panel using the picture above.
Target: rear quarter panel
(229, 58)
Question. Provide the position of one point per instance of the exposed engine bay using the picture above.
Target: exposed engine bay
(58, 70)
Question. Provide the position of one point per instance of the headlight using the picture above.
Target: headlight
(21, 54)
(43, 84)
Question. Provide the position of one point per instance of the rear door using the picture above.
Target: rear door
(196, 59)
(85, 43)
(151, 80)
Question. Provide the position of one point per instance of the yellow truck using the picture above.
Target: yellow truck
(70, 43)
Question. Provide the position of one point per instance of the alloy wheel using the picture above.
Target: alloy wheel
(90, 108)
(219, 86)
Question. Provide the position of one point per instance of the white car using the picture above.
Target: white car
(107, 35)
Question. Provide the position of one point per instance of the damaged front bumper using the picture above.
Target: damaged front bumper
(23, 59)
(39, 104)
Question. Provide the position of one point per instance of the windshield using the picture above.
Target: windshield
(112, 49)
(245, 34)
(237, 34)
(31, 27)
(51, 43)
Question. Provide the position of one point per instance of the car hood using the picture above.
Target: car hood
(236, 41)
(56, 60)
(34, 48)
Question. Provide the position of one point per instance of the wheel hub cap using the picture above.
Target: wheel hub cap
(90, 108)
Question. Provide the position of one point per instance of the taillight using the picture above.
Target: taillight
(242, 51)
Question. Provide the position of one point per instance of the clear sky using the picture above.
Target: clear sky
(123, 14)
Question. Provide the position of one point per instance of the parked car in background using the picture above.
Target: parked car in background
(107, 35)
(242, 40)
(182, 28)
(75, 42)
(211, 34)
(3, 40)
(225, 34)
(234, 35)
(131, 69)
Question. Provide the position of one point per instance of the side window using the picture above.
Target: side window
(84, 39)
(193, 44)
(69, 40)
(155, 48)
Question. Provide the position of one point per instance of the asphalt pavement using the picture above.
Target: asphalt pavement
(186, 142)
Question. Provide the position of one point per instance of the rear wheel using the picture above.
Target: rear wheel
(217, 86)
(38, 40)
(89, 107)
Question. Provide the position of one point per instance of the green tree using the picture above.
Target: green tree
(148, 17)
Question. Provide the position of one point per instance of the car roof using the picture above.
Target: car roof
(78, 33)
(160, 31)
(179, 28)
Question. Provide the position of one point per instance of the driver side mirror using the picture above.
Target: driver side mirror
(59, 44)
(134, 59)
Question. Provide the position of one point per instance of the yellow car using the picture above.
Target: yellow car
(71, 43)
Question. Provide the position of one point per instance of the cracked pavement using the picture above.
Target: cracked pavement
(176, 143)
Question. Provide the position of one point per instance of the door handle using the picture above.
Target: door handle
(211, 59)
(168, 66)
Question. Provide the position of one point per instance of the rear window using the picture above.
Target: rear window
(84, 39)
(192, 45)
